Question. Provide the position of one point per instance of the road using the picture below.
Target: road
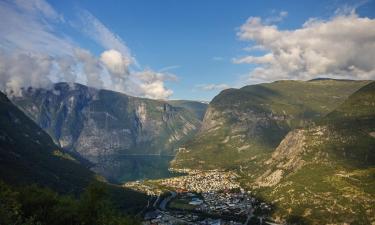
(249, 216)
(165, 201)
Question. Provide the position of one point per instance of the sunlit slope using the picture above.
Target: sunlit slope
(325, 173)
(243, 126)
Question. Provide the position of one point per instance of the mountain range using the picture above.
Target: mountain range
(305, 147)
(28, 156)
(101, 126)
(244, 126)
(308, 148)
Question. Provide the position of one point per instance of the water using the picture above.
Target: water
(123, 168)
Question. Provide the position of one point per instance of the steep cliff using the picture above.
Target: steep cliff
(243, 126)
(99, 122)
(28, 155)
(197, 108)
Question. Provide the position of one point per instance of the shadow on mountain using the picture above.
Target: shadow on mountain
(297, 220)
(122, 168)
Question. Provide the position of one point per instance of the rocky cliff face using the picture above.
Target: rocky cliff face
(327, 168)
(321, 175)
(197, 108)
(244, 126)
(98, 123)
(306, 147)
(287, 157)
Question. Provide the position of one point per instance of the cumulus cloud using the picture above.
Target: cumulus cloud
(91, 68)
(152, 84)
(97, 31)
(115, 62)
(34, 53)
(27, 72)
(340, 47)
(212, 87)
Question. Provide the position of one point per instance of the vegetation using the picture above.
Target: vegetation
(181, 204)
(331, 177)
(335, 183)
(247, 124)
(198, 108)
(29, 156)
(33, 205)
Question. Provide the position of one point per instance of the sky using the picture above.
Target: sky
(179, 49)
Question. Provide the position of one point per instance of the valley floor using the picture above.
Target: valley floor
(201, 197)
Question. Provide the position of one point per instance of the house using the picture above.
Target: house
(196, 201)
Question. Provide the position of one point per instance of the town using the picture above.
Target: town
(203, 198)
(203, 181)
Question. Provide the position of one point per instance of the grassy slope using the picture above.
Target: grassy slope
(276, 109)
(336, 183)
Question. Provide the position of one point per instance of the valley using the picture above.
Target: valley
(257, 155)
(120, 136)
(187, 112)
(323, 164)
(123, 168)
(201, 197)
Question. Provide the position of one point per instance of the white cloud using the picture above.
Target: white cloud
(33, 53)
(27, 26)
(115, 62)
(276, 18)
(91, 68)
(152, 84)
(38, 7)
(97, 31)
(156, 90)
(20, 70)
(350, 7)
(212, 87)
(167, 68)
(341, 47)
(265, 59)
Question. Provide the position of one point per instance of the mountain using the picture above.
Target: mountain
(28, 155)
(308, 148)
(102, 126)
(198, 108)
(242, 127)
(325, 173)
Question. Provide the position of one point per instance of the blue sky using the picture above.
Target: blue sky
(198, 44)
